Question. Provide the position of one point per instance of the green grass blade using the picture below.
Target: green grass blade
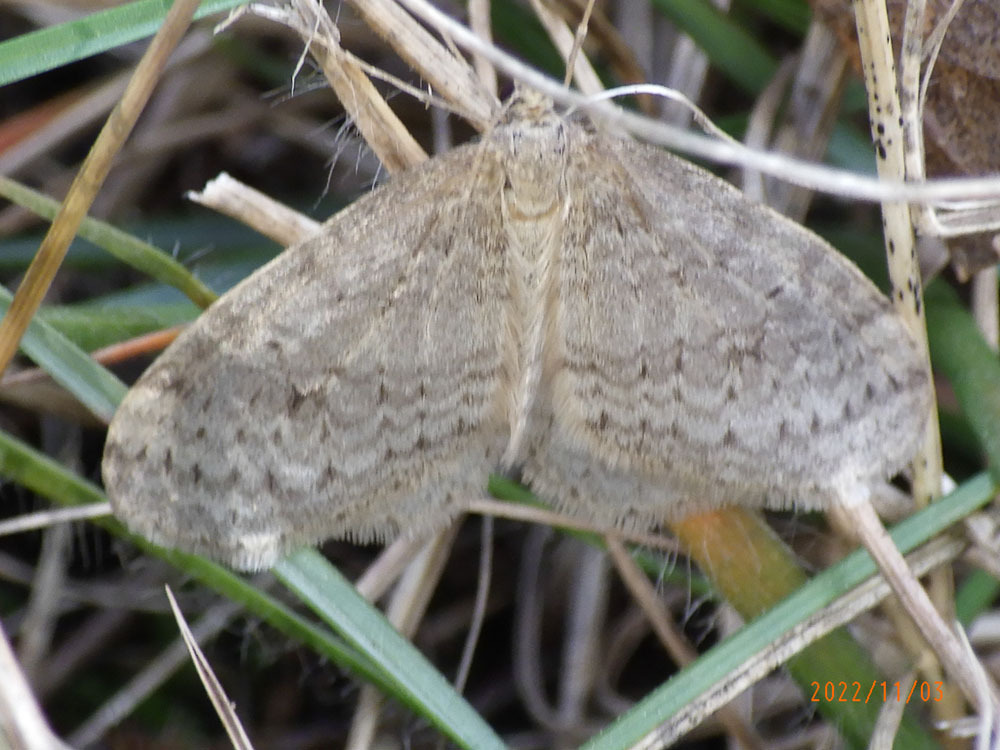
(71, 367)
(55, 46)
(140, 255)
(92, 326)
(959, 352)
(792, 15)
(730, 48)
(420, 685)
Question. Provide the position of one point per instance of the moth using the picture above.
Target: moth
(625, 331)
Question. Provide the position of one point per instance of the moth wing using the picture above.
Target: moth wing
(349, 388)
(710, 351)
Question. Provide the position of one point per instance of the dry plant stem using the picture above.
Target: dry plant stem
(40, 394)
(626, 630)
(890, 716)
(960, 667)
(220, 701)
(988, 560)
(694, 113)
(97, 595)
(914, 52)
(670, 636)
(985, 303)
(905, 626)
(982, 531)
(271, 218)
(904, 271)
(479, 605)
(387, 567)
(410, 600)
(813, 104)
(761, 125)
(385, 134)
(925, 660)
(584, 74)
(586, 609)
(46, 518)
(531, 514)
(897, 150)
(910, 104)
(364, 725)
(382, 130)
(405, 611)
(687, 71)
(931, 47)
(621, 56)
(584, 602)
(642, 591)
(479, 22)
(47, 590)
(22, 724)
(450, 76)
(813, 176)
(578, 37)
(88, 181)
(928, 467)
(528, 624)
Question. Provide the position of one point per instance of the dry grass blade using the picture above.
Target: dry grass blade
(382, 130)
(446, 72)
(818, 76)
(231, 197)
(568, 45)
(959, 664)
(546, 517)
(43, 519)
(22, 724)
(479, 605)
(479, 21)
(672, 639)
(216, 694)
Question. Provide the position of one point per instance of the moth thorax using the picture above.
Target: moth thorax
(535, 168)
